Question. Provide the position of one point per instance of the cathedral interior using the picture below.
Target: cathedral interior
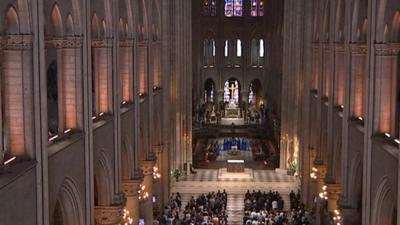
(199, 112)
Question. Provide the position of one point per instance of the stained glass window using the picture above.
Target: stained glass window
(257, 7)
(210, 7)
(233, 8)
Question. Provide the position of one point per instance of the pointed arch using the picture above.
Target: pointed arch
(103, 179)
(384, 203)
(69, 204)
(56, 25)
(396, 28)
(95, 27)
(127, 158)
(143, 23)
(70, 29)
(11, 21)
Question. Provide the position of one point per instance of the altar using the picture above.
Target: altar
(235, 166)
(232, 110)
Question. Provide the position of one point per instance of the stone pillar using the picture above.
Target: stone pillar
(320, 183)
(130, 189)
(146, 209)
(158, 183)
(350, 216)
(334, 191)
(108, 215)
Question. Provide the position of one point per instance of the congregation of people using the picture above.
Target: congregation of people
(267, 209)
(206, 209)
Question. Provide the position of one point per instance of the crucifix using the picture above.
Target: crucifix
(232, 89)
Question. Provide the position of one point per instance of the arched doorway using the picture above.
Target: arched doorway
(255, 93)
(209, 91)
(232, 91)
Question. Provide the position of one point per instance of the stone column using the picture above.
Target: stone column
(146, 209)
(108, 215)
(350, 216)
(333, 196)
(158, 183)
(130, 189)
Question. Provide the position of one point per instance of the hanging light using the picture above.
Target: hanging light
(142, 193)
(337, 217)
(156, 173)
(126, 218)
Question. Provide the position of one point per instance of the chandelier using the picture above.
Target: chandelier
(143, 194)
(156, 173)
(126, 219)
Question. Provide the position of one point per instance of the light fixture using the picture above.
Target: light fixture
(142, 193)
(156, 173)
(360, 118)
(101, 114)
(342, 106)
(387, 135)
(67, 131)
(124, 102)
(397, 141)
(53, 138)
(10, 160)
(94, 117)
(324, 194)
(126, 218)
(337, 217)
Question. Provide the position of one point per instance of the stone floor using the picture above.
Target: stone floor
(236, 186)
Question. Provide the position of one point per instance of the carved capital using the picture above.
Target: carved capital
(17, 42)
(147, 167)
(339, 47)
(158, 149)
(130, 187)
(315, 46)
(111, 215)
(127, 43)
(102, 43)
(334, 191)
(326, 46)
(387, 49)
(68, 42)
(358, 49)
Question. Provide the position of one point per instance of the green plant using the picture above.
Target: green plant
(293, 167)
(177, 173)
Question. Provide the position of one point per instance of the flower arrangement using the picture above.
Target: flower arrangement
(177, 173)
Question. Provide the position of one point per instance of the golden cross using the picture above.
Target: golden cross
(232, 88)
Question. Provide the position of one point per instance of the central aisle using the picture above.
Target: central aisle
(235, 208)
(213, 180)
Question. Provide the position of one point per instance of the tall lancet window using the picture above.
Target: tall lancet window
(261, 48)
(238, 48)
(52, 99)
(233, 8)
(226, 48)
(257, 7)
(209, 7)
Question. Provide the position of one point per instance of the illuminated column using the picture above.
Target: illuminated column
(111, 215)
(102, 56)
(69, 52)
(126, 70)
(158, 181)
(130, 189)
(386, 87)
(358, 76)
(334, 191)
(146, 209)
